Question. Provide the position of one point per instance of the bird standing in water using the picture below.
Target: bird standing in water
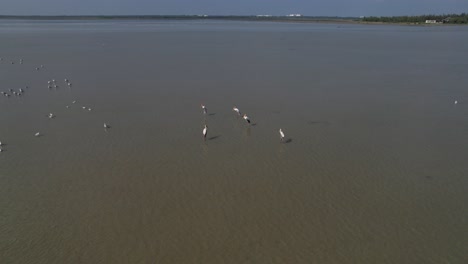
(204, 109)
(235, 109)
(247, 119)
(205, 132)
(281, 135)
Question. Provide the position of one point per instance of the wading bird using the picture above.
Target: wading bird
(235, 109)
(204, 109)
(205, 132)
(246, 118)
(281, 134)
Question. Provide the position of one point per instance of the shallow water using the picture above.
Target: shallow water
(373, 171)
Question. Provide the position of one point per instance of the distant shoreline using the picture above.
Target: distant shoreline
(301, 19)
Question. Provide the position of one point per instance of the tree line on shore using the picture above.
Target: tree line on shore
(446, 19)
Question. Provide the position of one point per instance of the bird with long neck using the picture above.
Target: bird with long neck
(205, 132)
(204, 109)
(246, 118)
(281, 134)
(235, 109)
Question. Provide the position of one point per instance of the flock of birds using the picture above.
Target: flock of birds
(53, 84)
(244, 116)
(50, 84)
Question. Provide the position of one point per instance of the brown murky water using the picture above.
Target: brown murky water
(374, 169)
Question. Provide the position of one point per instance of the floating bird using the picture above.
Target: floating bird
(456, 102)
(51, 115)
(204, 109)
(246, 118)
(73, 102)
(205, 132)
(66, 80)
(1, 143)
(37, 134)
(1, 149)
(83, 107)
(67, 106)
(89, 109)
(106, 125)
(235, 109)
(37, 69)
(281, 134)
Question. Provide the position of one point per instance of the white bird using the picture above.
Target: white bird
(1, 149)
(205, 132)
(235, 109)
(1, 143)
(37, 134)
(456, 102)
(67, 106)
(246, 118)
(106, 125)
(204, 109)
(89, 109)
(83, 107)
(51, 115)
(73, 102)
(281, 134)
(66, 80)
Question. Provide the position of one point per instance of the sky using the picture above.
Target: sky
(233, 7)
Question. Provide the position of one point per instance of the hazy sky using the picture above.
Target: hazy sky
(232, 7)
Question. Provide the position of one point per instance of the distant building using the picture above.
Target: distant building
(431, 21)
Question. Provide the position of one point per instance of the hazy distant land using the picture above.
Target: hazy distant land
(423, 19)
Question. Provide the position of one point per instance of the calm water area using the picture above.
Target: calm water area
(373, 169)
